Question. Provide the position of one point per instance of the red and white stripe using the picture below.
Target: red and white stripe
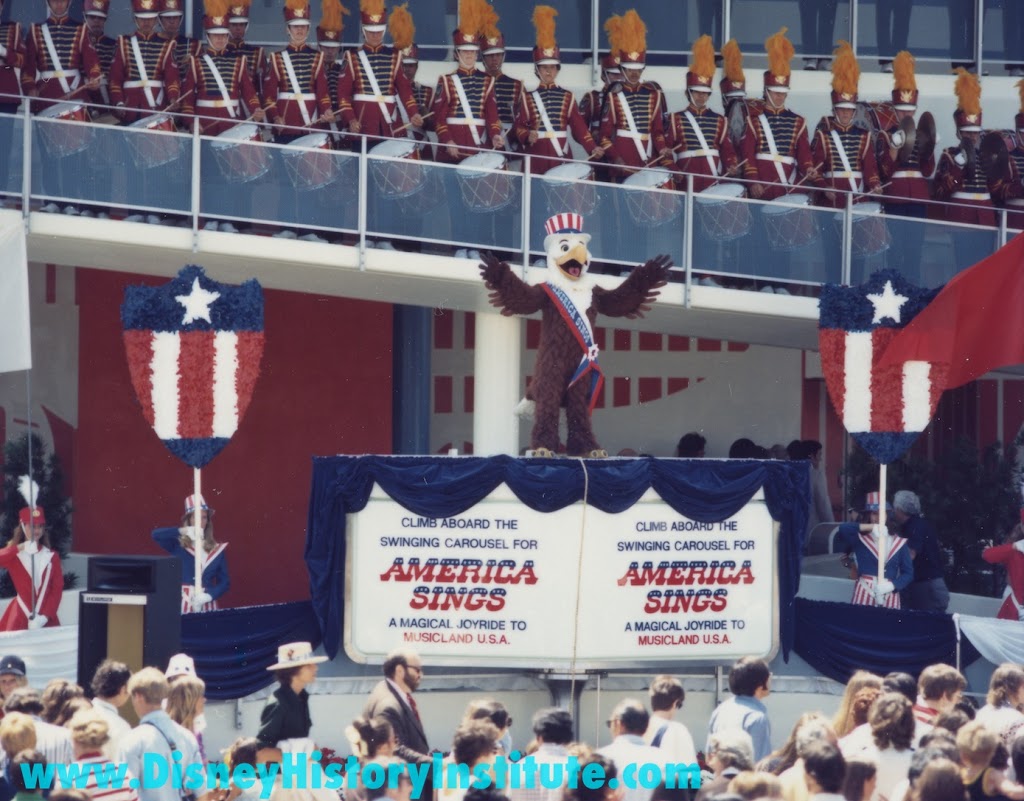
(864, 594)
(195, 384)
(863, 405)
(564, 222)
(92, 788)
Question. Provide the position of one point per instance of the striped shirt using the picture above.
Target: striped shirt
(97, 763)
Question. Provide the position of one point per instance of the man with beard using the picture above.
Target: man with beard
(393, 699)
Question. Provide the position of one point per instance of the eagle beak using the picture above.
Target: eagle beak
(573, 263)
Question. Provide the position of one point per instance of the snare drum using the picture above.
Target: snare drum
(404, 179)
(150, 149)
(312, 167)
(70, 138)
(566, 192)
(485, 182)
(789, 222)
(870, 235)
(651, 198)
(722, 217)
(240, 154)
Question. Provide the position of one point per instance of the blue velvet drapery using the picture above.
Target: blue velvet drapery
(705, 490)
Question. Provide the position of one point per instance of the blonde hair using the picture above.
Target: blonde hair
(17, 733)
(150, 683)
(1007, 679)
(862, 688)
(183, 700)
(976, 744)
(89, 729)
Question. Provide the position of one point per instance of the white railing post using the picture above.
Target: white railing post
(727, 20)
(197, 183)
(979, 36)
(595, 42)
(26, 158)
(525, 213)
(364, 167)
(847, 240)
(854, 24)
(1002, 227)
(688, 239)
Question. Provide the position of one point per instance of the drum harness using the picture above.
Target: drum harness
(631, 131)
(382, 101)
(705, 151)
(467, 112)
(848, 172)
(560, 138)
(221, 87)
(773, 151)
(58, 71)
(144, 81)
(297, 94)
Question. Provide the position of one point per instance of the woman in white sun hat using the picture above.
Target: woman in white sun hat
(286, 715)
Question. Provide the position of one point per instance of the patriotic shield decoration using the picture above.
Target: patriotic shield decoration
(194, 348)
(884, 409)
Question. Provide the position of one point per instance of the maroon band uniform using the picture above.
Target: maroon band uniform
(450, 119)
(282, 99)
(12, 59)
(77, 57)
(201, 95)
(860, 156)
(129, 88)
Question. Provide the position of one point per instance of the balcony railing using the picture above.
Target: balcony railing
(364, 196)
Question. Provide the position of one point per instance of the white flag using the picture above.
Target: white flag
(15, 328)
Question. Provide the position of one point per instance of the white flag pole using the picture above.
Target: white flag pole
(197, 535)
(883, 537)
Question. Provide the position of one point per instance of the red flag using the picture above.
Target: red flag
(975, 324)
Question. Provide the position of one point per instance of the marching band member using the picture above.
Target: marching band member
(465, 110)
(296, 82)
(171, 15)
(57, 52)
(371, 77)
(960, 180)
(238, 24)
(144, 76)
(632, 130)
(328, 39)
(216, 80)
(593, 102)
(34, 568)
(843, 148)
(95, 22)
(733, 85)
(905, 179)
(508, 91)
(403, 33)
(1010, 189)
(775, 145)
(699, 132)
(549, 113)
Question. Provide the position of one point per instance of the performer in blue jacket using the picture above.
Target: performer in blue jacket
(178, 542)
(861, 539)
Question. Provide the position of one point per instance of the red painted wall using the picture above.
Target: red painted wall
(325, 389)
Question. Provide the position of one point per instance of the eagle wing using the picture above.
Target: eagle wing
(634, 295)
(509, 292)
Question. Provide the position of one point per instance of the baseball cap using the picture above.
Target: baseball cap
(12, 664)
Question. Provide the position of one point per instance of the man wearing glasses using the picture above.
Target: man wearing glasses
(393, 699)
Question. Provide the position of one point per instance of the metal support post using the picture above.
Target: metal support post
(26, 161)
(847, 239)
(197, 176)
(524, 234)
(595, 43)
(363, 170)
(688, 239)
(979, 35)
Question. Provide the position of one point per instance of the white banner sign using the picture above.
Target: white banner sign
(503, 585)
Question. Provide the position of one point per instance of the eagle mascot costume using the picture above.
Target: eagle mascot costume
(567, 372)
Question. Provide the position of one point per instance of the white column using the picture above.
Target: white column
(496, 385)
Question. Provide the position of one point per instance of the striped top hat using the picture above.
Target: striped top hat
(564, 223)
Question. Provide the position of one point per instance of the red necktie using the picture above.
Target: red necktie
(412, 703)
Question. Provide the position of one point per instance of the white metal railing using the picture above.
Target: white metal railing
(623, 238)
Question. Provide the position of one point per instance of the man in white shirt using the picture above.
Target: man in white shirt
(53, 742)
(628, 723)
(110, 693)
(671, 736)
(148, 747)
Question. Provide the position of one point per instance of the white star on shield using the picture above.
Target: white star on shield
(197, 303)
(888, 304)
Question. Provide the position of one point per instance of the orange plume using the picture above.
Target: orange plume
(544, 23)
(845, 69)
(1020, 91)
(780, 52)
(613, 27)
(243, 3)
(633, 33)
(403, 32)
(472, 14)
(489, 23)
(703, 62)
(296, 4)
(968, 92)
(216, 8)
(373, 7)
(733, 59)
(903, 72)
